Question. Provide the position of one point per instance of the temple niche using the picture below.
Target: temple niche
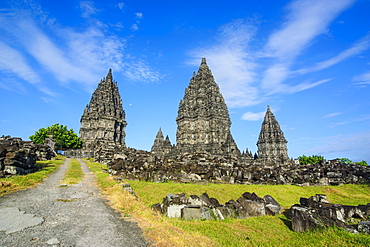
(272, 145)
(103, 122)
(203, 122)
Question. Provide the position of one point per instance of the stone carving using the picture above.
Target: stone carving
(19, 157)
(203, 122)
(204, 207)
(161, 146)
(103, 124)
(103, 121)
(317, 212)
(272, 145)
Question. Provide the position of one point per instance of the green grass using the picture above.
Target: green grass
(257, 231)
(74, 174)
(286, 195)
(19, 182)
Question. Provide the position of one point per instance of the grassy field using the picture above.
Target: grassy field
(259, 231)
(15, 183)
(74, 174)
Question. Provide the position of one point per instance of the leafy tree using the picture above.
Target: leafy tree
(362, 163)
(64, 138)
(346, 161)
(310, 159)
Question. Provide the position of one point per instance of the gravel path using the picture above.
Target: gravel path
(55, 215)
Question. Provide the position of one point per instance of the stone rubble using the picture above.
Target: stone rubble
(316, 212)
(204, 167)
(204, 207)
(18, 157)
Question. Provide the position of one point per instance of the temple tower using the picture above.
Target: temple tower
(161, 145)
(103, 122)
(272, 145)
(203, 122)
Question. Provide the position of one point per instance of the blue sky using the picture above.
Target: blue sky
(308, 60)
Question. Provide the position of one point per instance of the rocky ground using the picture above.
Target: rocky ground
(57, 215)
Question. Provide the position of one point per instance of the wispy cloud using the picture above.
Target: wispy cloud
(357, 48)
(306, 20)
(361, 118)
(333, 114)
(355, 146)
(139, 15)
(250, 116)
(363, 79)
(88, 9)
(121, 5)
(232, 63)
(64, 53)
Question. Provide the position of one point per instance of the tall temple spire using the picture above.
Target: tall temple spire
(203, 122)
(103, 121)
(272, 145)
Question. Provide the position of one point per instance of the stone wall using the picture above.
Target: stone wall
(19, 157)
(204, 167)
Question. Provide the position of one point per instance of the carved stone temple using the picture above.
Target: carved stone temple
(103, 122)
(203, 122)
(272, 145)
(161, 145)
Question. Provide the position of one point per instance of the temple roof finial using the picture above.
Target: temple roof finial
(109, 75)
(204, 60)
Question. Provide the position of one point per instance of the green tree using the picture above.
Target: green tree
(64, 138)
(310, 159)
(362, 163)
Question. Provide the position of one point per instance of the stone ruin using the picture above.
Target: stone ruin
(19, 157)
(204, 207)
(316, 212)
(203, 167)
(205, 150)
(103, 124)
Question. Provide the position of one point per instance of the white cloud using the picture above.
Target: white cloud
(139, 15)
(13, 61)
(135, 27)
(306, 20)
(121, 5)
(333, 114)
(357, 48)
(250, 116)
(362, 79)
(78, 56)
(232, 63)
(355, 146)
(88, 8)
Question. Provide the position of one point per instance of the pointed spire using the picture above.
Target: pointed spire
(201, 106)
(272, 144)
(109, 75)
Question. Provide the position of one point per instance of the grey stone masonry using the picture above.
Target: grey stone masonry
(203, 122)
(103, 122)
(272, 145)
(161, 146)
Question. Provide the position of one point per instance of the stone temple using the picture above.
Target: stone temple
(203, 122)
(103, 122)
(272, 145)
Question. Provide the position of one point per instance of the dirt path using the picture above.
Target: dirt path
(73, 215)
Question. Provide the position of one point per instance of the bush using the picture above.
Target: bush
(310, 159)
(362, 163)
